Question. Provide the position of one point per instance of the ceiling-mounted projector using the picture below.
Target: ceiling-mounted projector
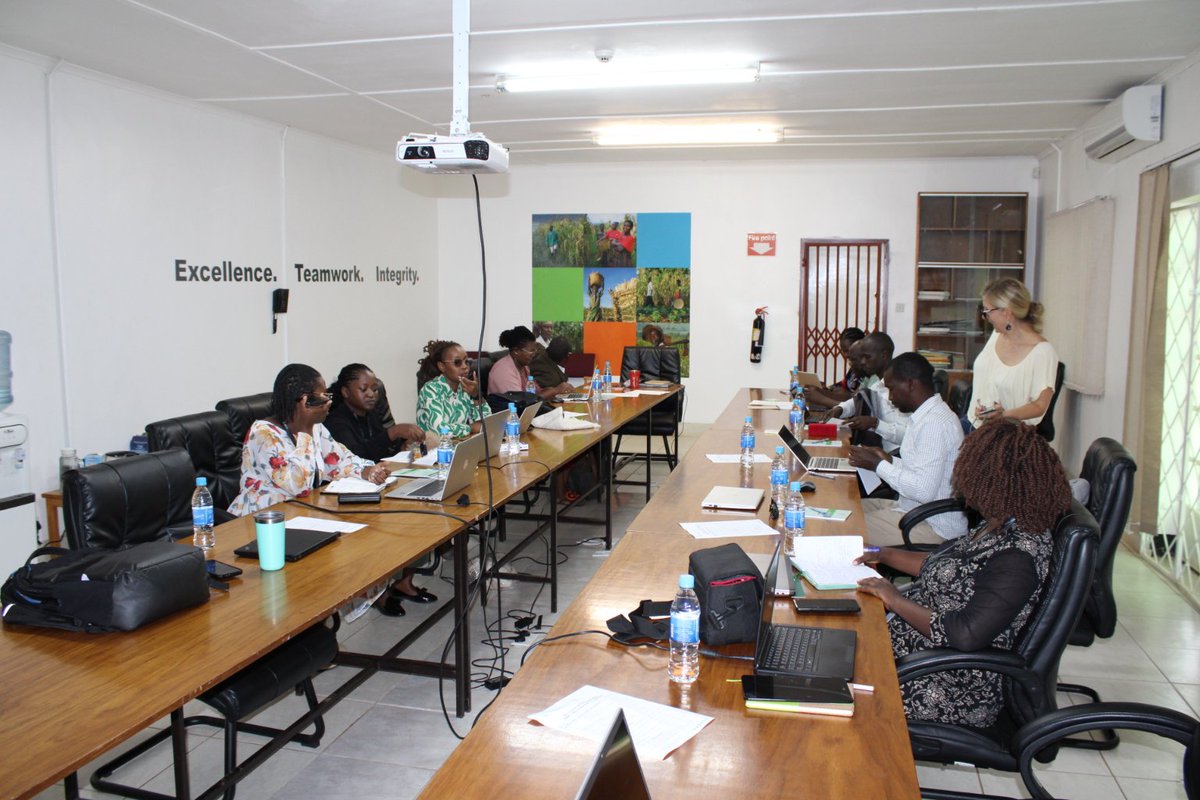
(471, 152)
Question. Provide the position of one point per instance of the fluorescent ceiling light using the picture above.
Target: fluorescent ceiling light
(606, 78)
(687, 134)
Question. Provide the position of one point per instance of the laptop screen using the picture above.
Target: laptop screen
(768, 605)
(793, 444)
(616, 772)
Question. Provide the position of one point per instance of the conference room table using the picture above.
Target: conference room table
(741, 752)
(68, 697)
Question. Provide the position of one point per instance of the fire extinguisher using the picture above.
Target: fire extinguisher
(757, 333)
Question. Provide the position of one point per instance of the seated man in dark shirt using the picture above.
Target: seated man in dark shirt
(546, 368)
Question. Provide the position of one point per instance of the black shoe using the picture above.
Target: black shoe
(422, 595)
(389, 605)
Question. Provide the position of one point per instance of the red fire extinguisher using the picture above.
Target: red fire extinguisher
(757, 333)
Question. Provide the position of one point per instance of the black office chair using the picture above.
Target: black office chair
(655, 363)
(1108, 467)
(1030, 669)
(214, 452)
(1045, 427)
(243, 411)
(147, 498)
(1047, 730)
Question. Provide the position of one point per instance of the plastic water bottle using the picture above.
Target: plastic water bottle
(793, 519)
(779, 478)
(67, 461)
(202, 516)
(683, 664)
(596, 385)
(511, 446)
(531, 385)
(796, 416)
(748, 443)
(445, 452)
(794, 387)
(607, 376)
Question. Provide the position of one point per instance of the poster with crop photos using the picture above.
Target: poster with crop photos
(615, 280)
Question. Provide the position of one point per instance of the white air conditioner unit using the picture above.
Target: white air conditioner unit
(1128, 124)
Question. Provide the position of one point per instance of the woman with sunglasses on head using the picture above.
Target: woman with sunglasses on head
(1014, 374)
(291, 452)
(449, 392)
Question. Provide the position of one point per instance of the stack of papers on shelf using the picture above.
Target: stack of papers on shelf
(827, 561)
(933, 295)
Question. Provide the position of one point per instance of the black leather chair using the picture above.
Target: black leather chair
(655, 363)
(243, 411)
(214, 452)
(1047, 730)
(1030, 669)
(1108, 467)
(146, 498)
(1045, 428)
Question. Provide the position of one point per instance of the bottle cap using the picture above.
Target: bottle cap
(444, 430)
(68, 451)
(201, 481)
(687, 581)
(795, 487)
(512, 407)
(779, 450)
(749, 419)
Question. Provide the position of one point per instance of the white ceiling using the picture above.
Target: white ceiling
(844, 78)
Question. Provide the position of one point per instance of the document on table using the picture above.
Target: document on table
(735, 527)
(416, 472)
(831, 514)
(820, 443)
(330, 525)
(725, 458)
(782, 405)
(653, 392)
(355, 486)
(870, 480)
(827, 561)
(656, 729)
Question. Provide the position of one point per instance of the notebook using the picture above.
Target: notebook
(733, 498)
(616, 771)
(800, 650)
(297, 543)
(467, 455)
(811, 463)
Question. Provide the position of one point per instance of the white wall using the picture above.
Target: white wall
(871, 199)
(141, 178)
(1072, 179)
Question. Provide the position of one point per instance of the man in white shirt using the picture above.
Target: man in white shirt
(870, 358)
(922, 472)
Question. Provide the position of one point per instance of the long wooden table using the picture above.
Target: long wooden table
(67, 698)
(745, 753)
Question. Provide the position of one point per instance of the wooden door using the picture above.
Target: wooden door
(843, 284)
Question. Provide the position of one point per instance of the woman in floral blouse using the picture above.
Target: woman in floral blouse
(978, 591)
(290, 452)
(446, 396)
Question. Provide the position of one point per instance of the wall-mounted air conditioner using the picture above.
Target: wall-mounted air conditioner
(1128, 124)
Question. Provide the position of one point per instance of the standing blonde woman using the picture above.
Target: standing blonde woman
(1015, 371)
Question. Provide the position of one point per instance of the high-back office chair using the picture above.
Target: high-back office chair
(655, 363)
(579, 365)
(1030, 669)
(145, 498)
(243, 411)
(214, 452)
(1108, 468)
(1045, 427)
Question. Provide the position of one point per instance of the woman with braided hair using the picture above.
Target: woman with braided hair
(977, 591)
(449, 390)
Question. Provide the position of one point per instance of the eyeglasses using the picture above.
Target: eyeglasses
(458, 362)
(984, 311)
(315, 400)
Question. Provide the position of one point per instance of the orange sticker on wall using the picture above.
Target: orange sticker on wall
(608, 341)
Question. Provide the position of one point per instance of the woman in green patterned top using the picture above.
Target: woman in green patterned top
(447, 395)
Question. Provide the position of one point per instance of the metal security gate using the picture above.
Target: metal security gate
(843, 284)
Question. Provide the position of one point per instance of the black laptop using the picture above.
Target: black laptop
(800, 650)
(616, 772)
(297, 543)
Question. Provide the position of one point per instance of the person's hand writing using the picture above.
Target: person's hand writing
(870, 556)
(867, 457)
(862, 423)
(884, 590)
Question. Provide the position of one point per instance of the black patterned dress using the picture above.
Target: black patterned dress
(981, 589)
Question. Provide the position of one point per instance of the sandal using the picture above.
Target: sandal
(389, 605)
(422, 595)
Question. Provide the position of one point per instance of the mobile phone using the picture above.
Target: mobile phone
(826, 606)
(222, 571)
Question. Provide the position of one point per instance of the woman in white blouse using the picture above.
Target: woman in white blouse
(1014, 373)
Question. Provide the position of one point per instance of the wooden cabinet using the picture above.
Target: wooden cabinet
(964, 241)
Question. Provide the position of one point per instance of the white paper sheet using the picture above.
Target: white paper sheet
(314, 524)
(653, 392)
(781, 405)
(656, 729)
(355, 486)
(828, 561)
(736, 527)
(427, 460)
(821, 443)
(726, 458)
(870, 480)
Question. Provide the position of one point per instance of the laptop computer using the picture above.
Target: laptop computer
(493, 425)
(733, 498)
(297, 543)
(616, 771)
(800, 650)
(467, 456)
(785, 576)
(810, 462)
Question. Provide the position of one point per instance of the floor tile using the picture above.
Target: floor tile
(1158, 693)
(1178, 664)
(1144, 755)
(1138, 789)
(949, 777)
(334, 778)
(206, 766)
(1161, 631)
(1059, 784)
(1190, 693)
(401, 736)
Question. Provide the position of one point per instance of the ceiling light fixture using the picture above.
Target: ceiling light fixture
(629, 135)
(607, 78)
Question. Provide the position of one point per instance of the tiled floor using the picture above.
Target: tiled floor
(386, 740)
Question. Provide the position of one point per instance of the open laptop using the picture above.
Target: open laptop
(810, 462)
(797, 649)
(493, 425)
(616, 771)
(467, 456)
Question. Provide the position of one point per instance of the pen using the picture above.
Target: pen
(870, 548)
